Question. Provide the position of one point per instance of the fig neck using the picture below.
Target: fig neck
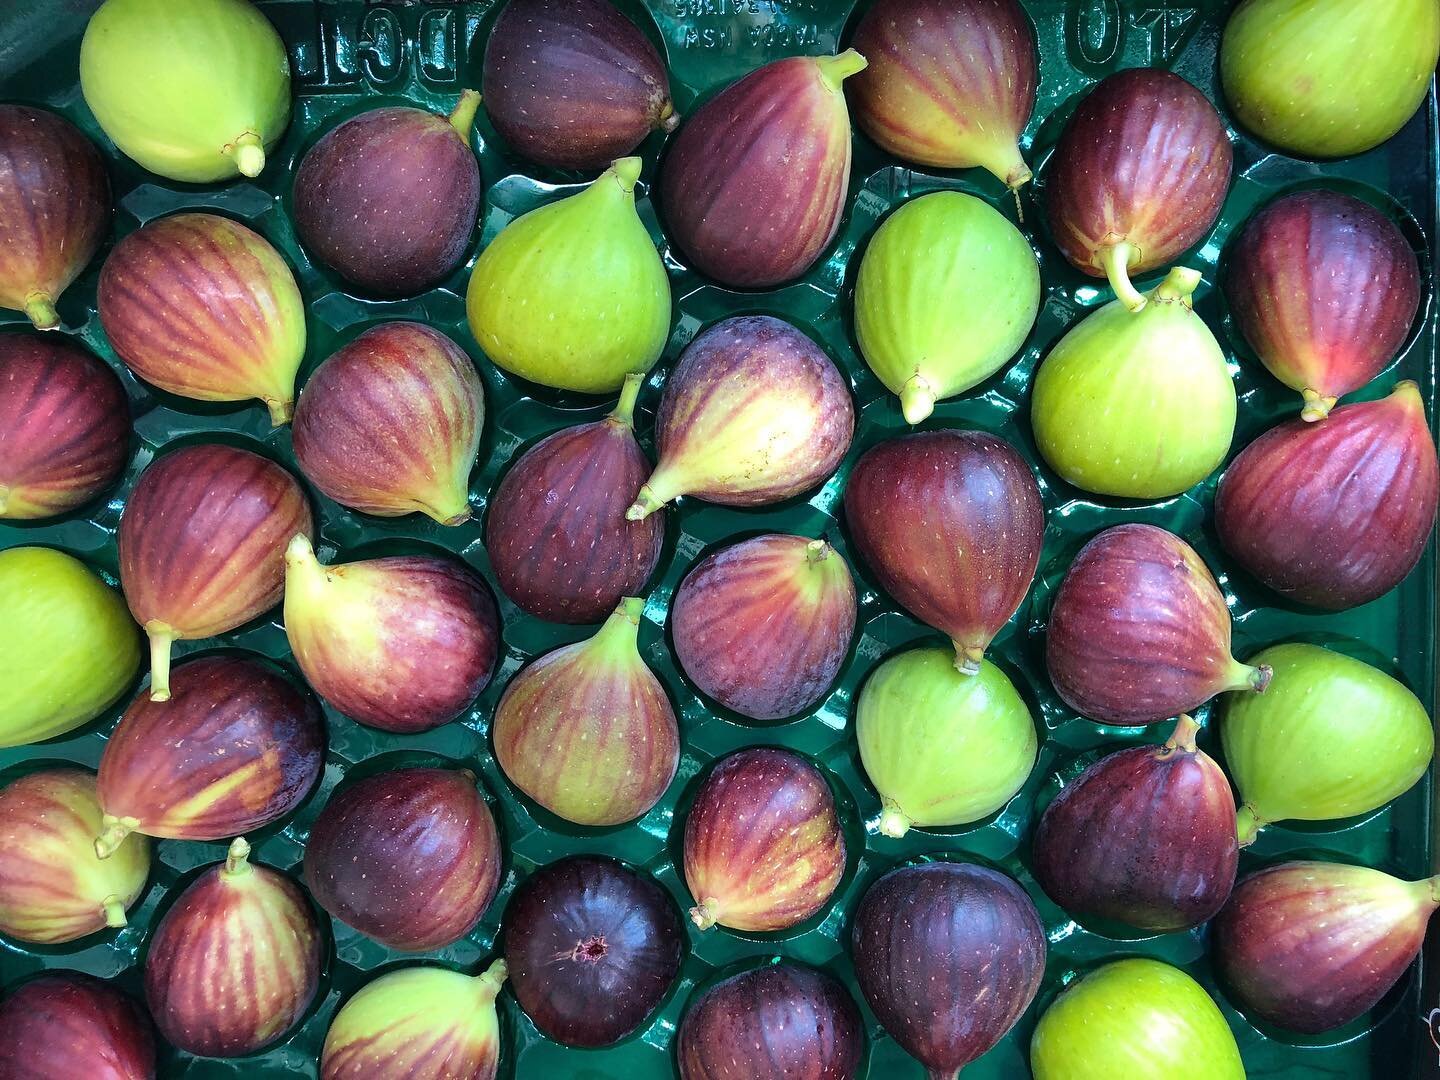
(114, 909)
(1407, 394)
(462, 118)
(451, 509)
(1182, 739)
(706, 913)
(621, 178)
(161, 638)
(834, 70)
(1002, 159)
(624, 411)
(621, 632)
(1245, 677)
(40, 309)
(1116, 259)
(1177, 287)
(248, 152)
(303, 571)
(917, 400)
(1317, 406)
(489, 982)
(113, 831)
(1247, 825)
(237, 859)
(894, 822)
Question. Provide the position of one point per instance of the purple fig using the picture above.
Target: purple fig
(67, 1025)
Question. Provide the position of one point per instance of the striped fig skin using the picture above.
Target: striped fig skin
(54, 209)
(764, 625)
(763, 845)
(410, 857)
(205, 308)
(64, 426)
(779, 1020)
(390, 424)
(948, 955)
(68, 1025)
(573, 84)
(951, 524)
(1334, 514)
(235, 961)
(1139, 631)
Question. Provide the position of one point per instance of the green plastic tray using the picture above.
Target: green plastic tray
(349, 56)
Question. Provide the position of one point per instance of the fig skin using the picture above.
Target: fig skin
(764, 849)
(66, 1024)
(1325, 289)
(559, 542)
(64, 426)
(1334, 514)
(764, 626)
(574, 84)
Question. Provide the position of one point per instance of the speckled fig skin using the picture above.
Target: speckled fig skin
(54, 209)
(573, 84)
(67, 1024)
(777, 1020)
(410, 857)
(559, 542)
(389, 199)
(1334, 514)
(64, 426)
(949, 955)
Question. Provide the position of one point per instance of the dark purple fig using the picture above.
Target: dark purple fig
(1139, 631)
(1145, 836)
(592, 947)
(781, 1020)
(951, 523)
(573, 83)
(1334, 514)
(67, 1026)
(948, 955)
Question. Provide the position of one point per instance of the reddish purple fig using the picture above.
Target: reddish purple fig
(1309, 946)
(409, 857)
(559, 542)
(574, 84)
(1336, 514)
(1139, 175)
(202, 545)
(948, 955)
(1139, 631)
(592, 947)
(1325, 289)
(780, 1020)
(951, 523)
(67, 1025)
(64, 426)
(236, 747)
(54, 209)
(754, 186)
(1145, 837)
(390, 424)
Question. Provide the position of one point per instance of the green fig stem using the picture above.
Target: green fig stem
(113, 831)
(624, 411)
(280, 411)
(161, 638)
(1178, 285)
(917, 400)
(1183, 737)
(1247, 825)
(834, 70)
(492, 979)
(817, 551)
(669, 119)
(1245, 677)
(894, 822)
(462, 119)
(626, 172)
(705, 914)
(1116, 260)
(647, 501)
(249, 154)
(1408, 393)
(300, 554)
(237, 859)
(967, 658)
(622, 628)
(1317, 406)
(41, 309)
(450, 520)
(114, 909)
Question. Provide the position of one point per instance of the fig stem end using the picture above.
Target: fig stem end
(1179, 283)
(1116, 259)
(249, 154)
(462, 119)
(161, 638)
(1317, 406)
(114, 909)
(492, 979)
(817, 551)
(627, 173)
(645, 504)
(1183, 737)
(703, 914)
(41, 310)
(968, 658)
(669, 119)
(1247, 825)
(280, 411)
(917, 400)
(894, 822)
(834, 70)
(624, 412)
(113, 831)
(237, 858)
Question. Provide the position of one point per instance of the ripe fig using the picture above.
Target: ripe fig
(205, 308)
(764, 625)
(587, 731)
(66, 1025)
(763, 845)
(402, 644)
(1335, 514)
(951, 523)
(754, 412)
(755, 183)
(408, 857)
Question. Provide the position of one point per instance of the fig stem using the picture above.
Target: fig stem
(646, 503)
(627, 171)
(1183, 737)
(161, 638)
(1245, 677)
(622, 628)
(669, 119)
(817, 551)
(492, 979)
(114, 909)
(1317, 406)
(968, 658)
(1116, 260)
(41, 310)
(941, 1074)
(237, 859)
(917, 400)
(624, 412)
(834, 70)
(1247, 825)
(894, 822)
(249, 154)
(704, 913)
(450, 520)
(462, 119)
(280, 411)
(1179, 283)
(113, 831)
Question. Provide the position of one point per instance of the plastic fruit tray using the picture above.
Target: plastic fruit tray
(349, 56)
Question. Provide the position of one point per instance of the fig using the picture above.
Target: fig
(946, 295)
(574, 84)
(235, 961)
(942, 747)
(390, 424)
(68, 1024)
(202, 102)
(779, 1020)
(237, 747)
(754, 413)
(1334, 514)
(410, 857)
(68, 648)
(202, 545)
(64, 426)
(592, 947)
(1138, 405)
(1139, 176)
(755, 182)
(53, 888)
(948, 955)
(951, 524)
(205, 308)
(763, 845)
(764, 625)
(1325, 289)
(557, 535)
(402, 644)
(54, 209)
(573, 295)
(389, 198)
(587, 731)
